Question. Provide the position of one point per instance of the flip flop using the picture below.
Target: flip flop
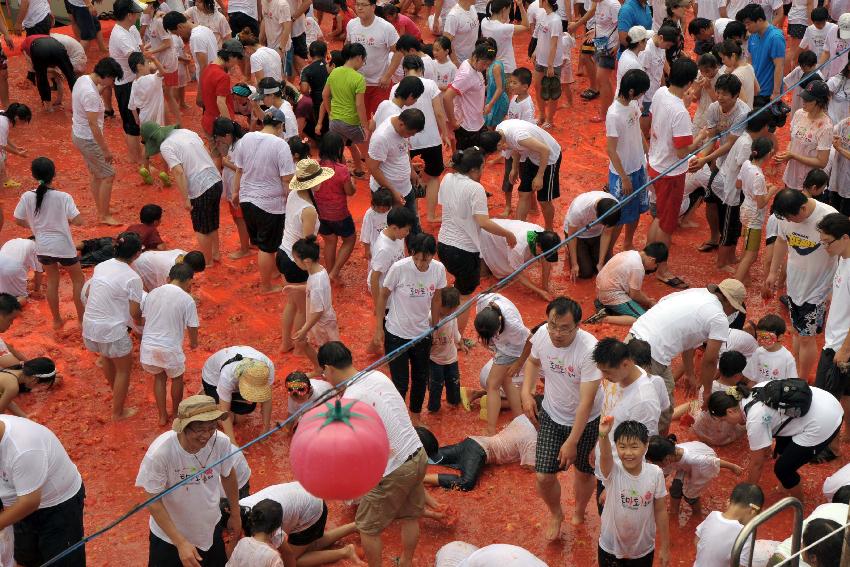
(482, 413)
(596, 317)
(11, 184)
(464, 398)
(675, 282)
(589, 94)
(707, 247)
(825, 455)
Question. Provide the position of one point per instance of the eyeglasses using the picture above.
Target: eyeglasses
(201, 429)
(299, 391)
(827, 243)
(562, 329)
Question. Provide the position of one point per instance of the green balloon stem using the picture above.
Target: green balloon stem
(338, 413)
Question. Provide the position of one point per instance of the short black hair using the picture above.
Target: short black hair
(127, 245)
(747, 494)
(318, 49)
(826, 552)
(410, 86)
(835, 224)
(807, 58)
(610, 352)
(522, 75)
(660, 447)
(412, 63)
(9, 304)
(734, 29)
(195, 259)
(657, 250)
(698, 24)
(816, 178)
(108, 68)
(422, 243)
(135, 59)
(757, 121)
(449, 296)
(413, 118)
(605, 205)
(150, 213)
(772, 323)
(635, 80)
(631, 430)
(640, 352)
(842, 495)
(334, 354)
(171, 20)
(401, 217)
(383, 197)
(563, 305)
(429, 442)
(181, 272)
(729, 48)
(668, 32)
(307, 248)
(683, 72)
(751, 12)
(336, 59)
(408, 42)
(789, 202)
(820, 14)
(351, 50)
(708, 60)
(731, 363)
(728, 83)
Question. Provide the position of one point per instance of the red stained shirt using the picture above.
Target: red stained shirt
(215, 82)
(331, 200)
(405, 26)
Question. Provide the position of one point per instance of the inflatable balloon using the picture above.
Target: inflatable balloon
(340, 450)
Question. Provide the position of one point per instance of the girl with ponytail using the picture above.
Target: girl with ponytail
(226, 137)
(261, 525)
(48, 213)
(9, 118)
(21, 378)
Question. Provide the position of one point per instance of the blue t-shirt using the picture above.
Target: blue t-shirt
(763, 50)
(632, 13)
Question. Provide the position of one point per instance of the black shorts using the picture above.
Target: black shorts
(769, 240)
(299, 46)
(290, 270)
(808, 318)
(128, 121)
(729, 217)
(552, 435)
(264, 229)
(41, 28)
(311, 534)
(49, 531)
(342, 228)
(796, 31)
(825, 367)
(49, 260)
(89, 25)
(433, 158)
(606, 559)
(466, 139)
(238, 404)
(4, 61)
(239, 21)
(206, 210)
(163, 554)
(551, 189)
(463, 265)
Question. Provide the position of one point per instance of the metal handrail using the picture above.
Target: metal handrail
(750, 531)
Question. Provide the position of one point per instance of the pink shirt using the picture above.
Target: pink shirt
(469, 102)
(405, 26)
(331, 200)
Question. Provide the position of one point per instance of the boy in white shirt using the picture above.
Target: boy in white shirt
(806, 63)
(168, 310)
(520, 107)
(771, 361)
(815, 34)
(17, 258)
(444, 344)
(375, 219)
(718, 532)
(147, 98)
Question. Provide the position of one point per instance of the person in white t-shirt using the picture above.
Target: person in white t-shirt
(18, 257)
(379, 37)
(42, 490)
(147, 96)
(406, 465)
(619, 294)
(590, 248)
(445, 341)
(636, 503)
(572, 404)
(837, 485)
(263, 61)
(387, 248)
(462, 554)
(123, 41)
(302, 390)
(262, 538)
(276, 27)
(113, 298)
(718, 532)
(499, 26)
(800, 253)
(461, 27)
(48, 213)
(153, 266)
(771, 360)
(168, 311)
(162, 47)
(183, 522)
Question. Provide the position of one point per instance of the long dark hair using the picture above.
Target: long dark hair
(17, 111)
(331, 146)
(264, 517)
(43, 170)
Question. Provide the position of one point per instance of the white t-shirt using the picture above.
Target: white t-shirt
(623, 122)
(710, 9)
(202, 40)
(123, 42)
(444, 343)
(607, 13)
(319, 387)
(263, 159)
(17, 257)
(835, 512)
(167, 310)
(814, 38)
(37, 11)
(681, 321)
(453, 554)
(247, 7)
(652, 61)
(410, 297)
(520, 110)
(628, 519)
(153, 266)
(300, 508)
(112, 286)
(385, 252)
(832, 44)
(250, 552)
(185, 148)
(501, 259)
(462, 199)
(618, 276)
(377, 390)
(503, 33)
(810, 268)
(299, 26)
(373, 223)
(268, 61)
(50, 225)
(515, 131)
(565, 369)
(502, 554)
(582, 211)
(392, 151)
(639, 401)
(763, 365)
(158, 36)
(429, 137)
(753, 184)
(730, 123)
(194, 507)
(671, 127)
(716, 536)
(290, 122)
(725, 183)
(511, 340)
(318, 296)
(547, 28)
(445, 73)
(216, 373)
(85, 98)
(838, 479)
(147, 98)
(33, 458)
(462, 26)
(293, 228)
(740, 341)
(75, 51)
(517, 442)
(386, 109)
(628, 61)
(819, 423)
(379, 39)
(275, 14)
(838, 320)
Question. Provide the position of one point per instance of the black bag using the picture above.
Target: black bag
(791, 396)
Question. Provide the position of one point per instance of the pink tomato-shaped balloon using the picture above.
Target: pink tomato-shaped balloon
(340, 450)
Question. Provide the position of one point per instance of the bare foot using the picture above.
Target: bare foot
(272, 289)
(286, 347)
(239, 254)
(688, 224)
(127, 413)
(351, 555)
(58, 324)
(99, 362)
(506, 213)
(109, 220)
(163, 420)
(553, 527)
(577, 519)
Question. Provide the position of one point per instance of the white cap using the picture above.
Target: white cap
(639, 33)
(844, 26)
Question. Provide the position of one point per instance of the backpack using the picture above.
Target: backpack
(791, 396)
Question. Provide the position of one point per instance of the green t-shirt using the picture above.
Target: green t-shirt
(345, 84)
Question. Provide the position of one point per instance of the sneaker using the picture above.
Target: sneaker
(464, 398)
(596, 317)
(482, 415)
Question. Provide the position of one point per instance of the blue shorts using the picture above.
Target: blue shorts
(632, 211)
(631, 308)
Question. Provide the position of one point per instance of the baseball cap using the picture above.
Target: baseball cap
(233, 46)
(639, 33)
(816, 90)
(275, 114)
(844, 26)
(122, 7)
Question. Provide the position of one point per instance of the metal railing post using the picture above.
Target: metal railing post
(750, 529)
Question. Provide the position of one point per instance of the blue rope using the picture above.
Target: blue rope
(340, 388)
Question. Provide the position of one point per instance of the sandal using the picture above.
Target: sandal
(589, 94)
(675, 282)
(596, 317)
(359, 174)
(11, 184)
(707, 246)
(109, 113)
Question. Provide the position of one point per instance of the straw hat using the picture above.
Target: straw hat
(196, 408)
(734, 292)
(253, 376)
(308, 174)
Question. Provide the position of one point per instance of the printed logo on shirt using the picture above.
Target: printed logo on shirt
(366, 41)
(630, 499)
(802, 244)
(766, 373)
(420, 290)
(204, 477)
(836, 281)
(557, 364)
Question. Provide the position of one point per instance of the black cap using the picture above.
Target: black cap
(123, 7)
(815, 90)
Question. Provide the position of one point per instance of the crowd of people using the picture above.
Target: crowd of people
(279, 111)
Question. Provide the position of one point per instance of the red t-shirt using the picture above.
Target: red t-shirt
(331, 200)
(215, 82)
(149, 235)
(405, 26)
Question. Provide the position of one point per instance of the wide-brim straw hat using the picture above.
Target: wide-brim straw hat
(308, 174)
(253, 376)
(196, 408)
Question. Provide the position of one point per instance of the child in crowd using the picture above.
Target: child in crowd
(375, 219)
(315, 75)
(839, 102)
(703, 88)
(150, 217)
(335, 220)
(320, 325)
(168, 310)
(636, 506)
(815, 34)
(694, 465)
(718, 532)
(771, 361)
(496, 96)
(302, 390)
(226, 136)
(443, 64)
(262, 531)
(806, 62)
(147, 98)
(520, 107)
(444, 344)
(568, 43)
(386, 249)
